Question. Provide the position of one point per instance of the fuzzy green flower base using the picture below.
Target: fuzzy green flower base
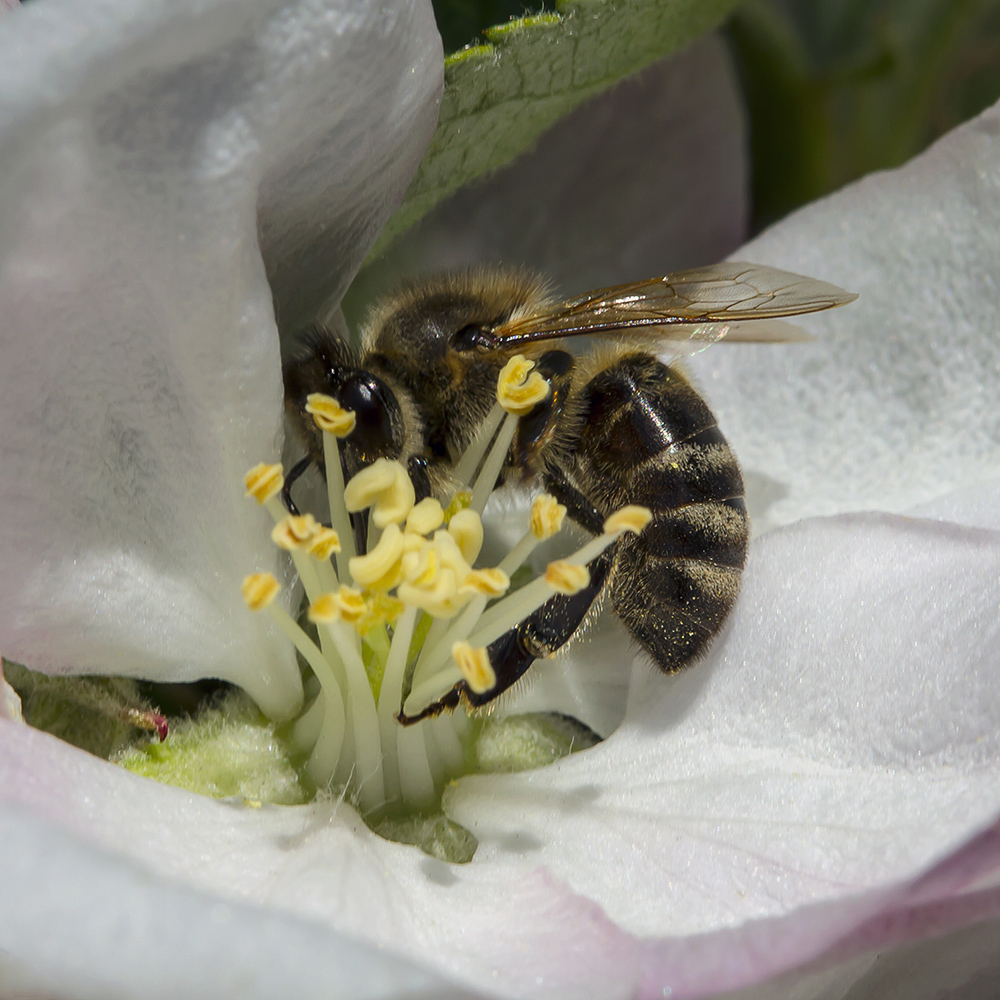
(231, 750)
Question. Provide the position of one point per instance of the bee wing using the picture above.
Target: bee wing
(703, 305)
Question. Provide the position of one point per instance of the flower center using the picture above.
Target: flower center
(402, 629)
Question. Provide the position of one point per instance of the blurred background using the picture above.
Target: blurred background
(833, 89)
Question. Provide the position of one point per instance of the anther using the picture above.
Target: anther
(329, 415)
(325, 542)
(294, 531)
(345, 604)
(259, 590)
(386, 488)
(519, 387)
(475, 667)
(566, 577)
(380, 569)
(546, 516)
(466, 527)
(425, 517)
(264, 481)
(632, 518)
(487, 582)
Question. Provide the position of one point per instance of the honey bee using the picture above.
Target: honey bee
(619, 427)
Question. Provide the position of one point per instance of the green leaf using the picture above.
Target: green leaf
(500, 96)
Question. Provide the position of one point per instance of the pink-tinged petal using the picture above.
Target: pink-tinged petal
(788, 798)
(145, 150)
(113, 929)
(897, 401)
(667, 145)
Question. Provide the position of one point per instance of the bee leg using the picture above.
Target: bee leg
(539, 636)
(579, 508)
(290, 480)
(416, 468)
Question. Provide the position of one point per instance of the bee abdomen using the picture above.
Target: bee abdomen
(652, 440)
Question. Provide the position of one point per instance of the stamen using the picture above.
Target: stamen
(259, 589)
(293, 531)
(264, 481)
(473, 455)
(381, 569)
(566, 577)
(325, 542)
(329, 415)
(488, 582)
(345, 604)
(466, 527)
(386, 488)
(519, 387)
(475, 666)
(547, 516)
(631, 518)
(425, 517)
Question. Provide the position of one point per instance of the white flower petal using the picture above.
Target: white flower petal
(142, 145)
(840, 743)
(898, 399)
(119, 931)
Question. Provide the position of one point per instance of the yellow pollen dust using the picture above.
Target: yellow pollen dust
(566, 577)
(475, 667)
(546, 516)
(329, 415)
(345, 604)
(631, 518)
(488, 582)
(294, 531)
(386, 488)
(259, 589)
(381, 568)
(264, 481)
(466, 528)
(325, 542)
(519, 388)
(437, 594)
(425, 517)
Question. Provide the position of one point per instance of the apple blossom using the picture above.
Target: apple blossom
(823, 786)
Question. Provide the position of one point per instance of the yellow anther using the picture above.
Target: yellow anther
(412, 542)
(264, 481)
(546, 516)
(631, 518)
(475, 667)
(519, 388)
(345, 604)
(380, 569)
(425, 517)
(325, 542)
(329, 415)
(438, 596)
(382, 609)
(566, 577)
(294, 531)
(459, 501)
(259, 589)
(386, 488)
(490, 582)
(467, 530)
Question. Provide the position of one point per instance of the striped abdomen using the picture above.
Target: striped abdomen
(648, 438)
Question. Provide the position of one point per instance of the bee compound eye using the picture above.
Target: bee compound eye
(377, 410)
(473, 338)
